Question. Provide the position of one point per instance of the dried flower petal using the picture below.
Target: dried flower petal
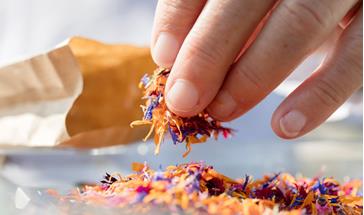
(196, 188)
(192, 130)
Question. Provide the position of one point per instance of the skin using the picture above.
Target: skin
(227, 56)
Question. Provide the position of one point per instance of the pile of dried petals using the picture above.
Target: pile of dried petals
(191, 130)
(196, 188)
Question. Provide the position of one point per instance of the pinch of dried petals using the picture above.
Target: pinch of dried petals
(196, 188)
(191, 130)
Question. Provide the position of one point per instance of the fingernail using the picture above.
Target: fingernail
(183, 96)
(165, 50)
(292, 123)
(223, 105)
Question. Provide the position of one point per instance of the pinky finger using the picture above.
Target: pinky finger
(327, 89)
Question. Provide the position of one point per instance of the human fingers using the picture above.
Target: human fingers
(209, 49)
(328, 88)
(294, 30)
(173, 20)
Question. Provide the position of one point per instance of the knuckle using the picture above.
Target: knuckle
(354, 47)
(356, 70)
(204, 50)
(351, 68)
(350, 71)
(246, 75)
(328, 93)
(167, 26)
(350, 65)
(176, 14)
(174, 4)
(178, 6)
(203, 54)
(306, 17)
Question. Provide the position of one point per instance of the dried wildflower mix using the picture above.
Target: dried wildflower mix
(196, 188)
(192, 130)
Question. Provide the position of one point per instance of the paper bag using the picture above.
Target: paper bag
(82, 94)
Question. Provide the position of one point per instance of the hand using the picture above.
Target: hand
(229, 55)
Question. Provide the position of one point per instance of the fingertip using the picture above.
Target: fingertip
(165, 50)
(275, 124)
(183, 98)
(288, 125)
(223, 106)
(172, 22)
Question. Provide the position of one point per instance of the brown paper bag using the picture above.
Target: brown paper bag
(110, 98)
(38, 105)
(35, 95)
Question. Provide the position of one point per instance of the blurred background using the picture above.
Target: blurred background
(32, 26)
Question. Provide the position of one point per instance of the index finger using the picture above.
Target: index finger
(212, 45)
(173, 20)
